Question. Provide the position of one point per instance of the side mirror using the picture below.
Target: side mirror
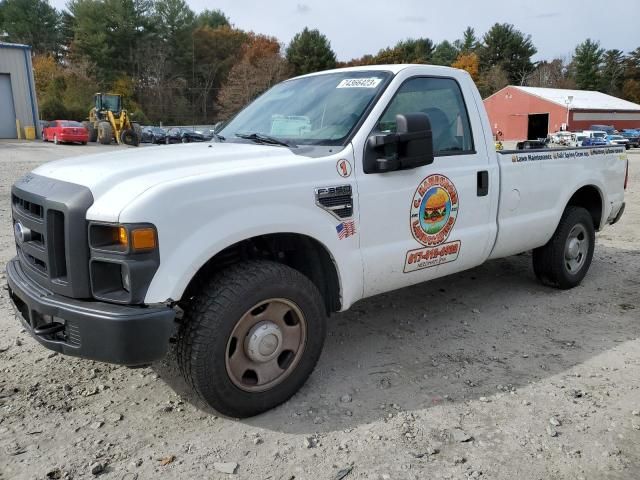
(410, 147)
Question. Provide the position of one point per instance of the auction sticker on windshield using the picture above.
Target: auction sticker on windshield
(359, 83)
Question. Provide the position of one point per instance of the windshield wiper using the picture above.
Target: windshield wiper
(265, 139)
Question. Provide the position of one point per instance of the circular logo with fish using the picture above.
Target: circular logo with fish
(434, 210)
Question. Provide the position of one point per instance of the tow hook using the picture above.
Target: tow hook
(48, 329)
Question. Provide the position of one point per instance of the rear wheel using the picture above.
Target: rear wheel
(564, 261)
(251, 337)
(105, 133)
(185, 139)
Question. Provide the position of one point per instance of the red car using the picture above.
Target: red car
(65, 131)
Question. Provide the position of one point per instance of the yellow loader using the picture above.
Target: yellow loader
(109, 121)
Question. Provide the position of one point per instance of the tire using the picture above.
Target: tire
(105, 133)
(93, 134)
(222, 316)
(129, 137)
(185, 140)
(561, 264)
(138, 131)
(83, 143)
(167, 141)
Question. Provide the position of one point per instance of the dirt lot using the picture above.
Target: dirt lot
(485, 374)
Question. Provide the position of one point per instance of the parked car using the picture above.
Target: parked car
(531, 145)
(561, 138)
(65, 131)
(183, 135)
(238, 253)
(576, 140)
(153, 135)
(608, 129)
(595, 142)
(633, 136)
(618, 140)
(596, 137)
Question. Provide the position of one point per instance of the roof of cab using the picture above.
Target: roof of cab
(393, 68)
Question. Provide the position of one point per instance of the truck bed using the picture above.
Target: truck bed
(536, 186)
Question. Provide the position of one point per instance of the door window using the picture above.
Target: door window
(441, 99)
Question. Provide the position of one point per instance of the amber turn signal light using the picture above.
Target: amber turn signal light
(123, 238)
(143, 239)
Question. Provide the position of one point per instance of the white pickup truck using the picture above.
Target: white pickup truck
(327, 189)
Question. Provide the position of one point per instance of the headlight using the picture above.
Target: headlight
(122, 238)
(124, 259)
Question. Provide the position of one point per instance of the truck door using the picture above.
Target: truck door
(437, 219)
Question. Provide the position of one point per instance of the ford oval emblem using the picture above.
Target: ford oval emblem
(22, 233)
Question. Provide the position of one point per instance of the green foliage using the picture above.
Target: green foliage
(53, 108)
(212, 19)
(468, 43)
(510, 49)
(445, 54)
(109, 33)
(612, 73)
(587, 61)
(310, 51)
(32, 22)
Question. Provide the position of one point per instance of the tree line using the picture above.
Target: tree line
(176, 66)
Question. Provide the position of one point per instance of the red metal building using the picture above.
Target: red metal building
(521, 113)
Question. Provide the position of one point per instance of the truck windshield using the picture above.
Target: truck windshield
(316, 110)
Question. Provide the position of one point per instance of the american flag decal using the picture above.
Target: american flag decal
(346, 229)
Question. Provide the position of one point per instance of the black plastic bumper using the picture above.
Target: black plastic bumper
(120, 334)
(619, 214)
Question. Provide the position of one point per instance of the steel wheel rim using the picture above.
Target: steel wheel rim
(576, 249)
(266, 345)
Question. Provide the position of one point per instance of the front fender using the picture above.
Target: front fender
(184, 252)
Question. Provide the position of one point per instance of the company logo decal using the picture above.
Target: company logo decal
(431, 257)
(344, 168)
(434, 209)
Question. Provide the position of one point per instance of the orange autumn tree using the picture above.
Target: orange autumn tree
(469, 62)
(261, 66)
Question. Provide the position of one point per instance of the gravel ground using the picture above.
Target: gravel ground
(485, 374)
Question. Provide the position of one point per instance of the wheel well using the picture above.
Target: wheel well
(588, 197)
(300, 252)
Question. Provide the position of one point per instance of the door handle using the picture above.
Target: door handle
(483, 183)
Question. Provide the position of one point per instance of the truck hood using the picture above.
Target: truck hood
(115, 178)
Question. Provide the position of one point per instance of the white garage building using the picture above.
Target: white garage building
(17, 91)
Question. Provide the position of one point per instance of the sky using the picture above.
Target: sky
(356, 28)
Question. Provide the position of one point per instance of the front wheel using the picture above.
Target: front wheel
(252, 335)
(564, 261)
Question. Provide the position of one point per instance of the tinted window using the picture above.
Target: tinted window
(441, 99)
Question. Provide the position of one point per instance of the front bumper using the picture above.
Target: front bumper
(101, 331)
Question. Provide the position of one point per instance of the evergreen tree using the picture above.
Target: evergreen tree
(444, 54)
(310, 51)
(510, 49)
(31, 22)
(612, 72)
(586, 64)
